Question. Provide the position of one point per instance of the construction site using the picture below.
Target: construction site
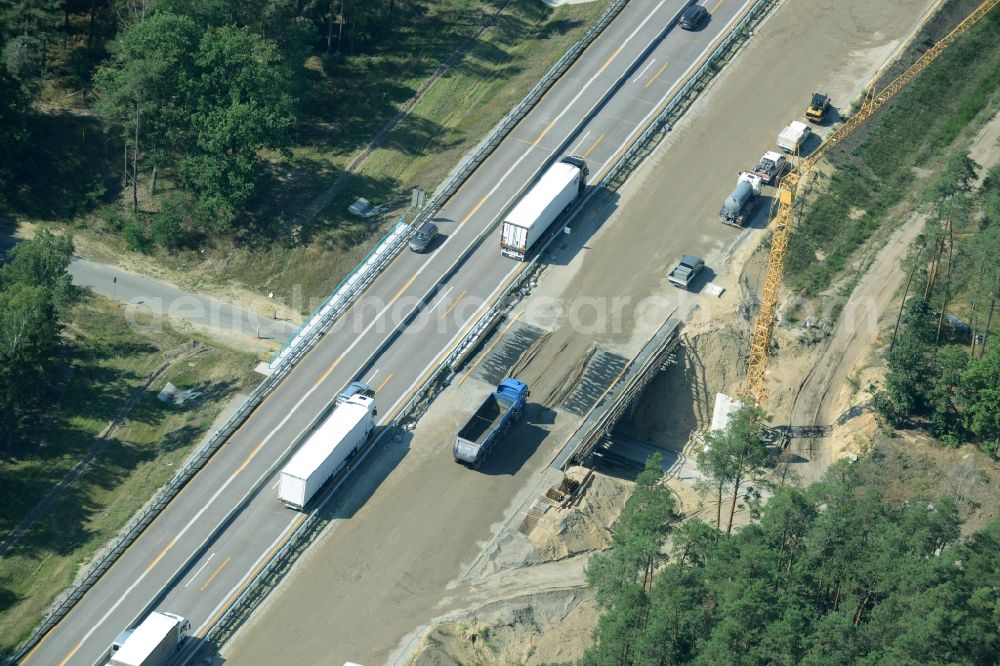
(521, 594)
(757, 223)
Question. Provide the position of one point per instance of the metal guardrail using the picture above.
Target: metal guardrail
(351, 287)
(613, 179)
(301, 344)
(279, 563)
(303, 340)
(622, 167)
(608, 410)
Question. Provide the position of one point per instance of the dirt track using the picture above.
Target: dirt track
(822, 395)
(389, 566)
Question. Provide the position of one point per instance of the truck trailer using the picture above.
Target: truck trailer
(547, 199)
(152, 643)
(326, 450)
(500, 409)
(741, 202)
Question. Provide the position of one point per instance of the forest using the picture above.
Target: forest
(944, 371)
(849, 570)
(149, 122)
(192, 92)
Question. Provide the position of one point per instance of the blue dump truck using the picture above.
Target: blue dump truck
(490, 422)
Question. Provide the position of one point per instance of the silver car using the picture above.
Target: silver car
(353, 389)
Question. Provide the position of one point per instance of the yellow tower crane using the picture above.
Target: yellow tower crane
(755, 384)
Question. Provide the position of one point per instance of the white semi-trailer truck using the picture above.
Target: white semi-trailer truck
(547, 199)
(152, 643)
(326, 450)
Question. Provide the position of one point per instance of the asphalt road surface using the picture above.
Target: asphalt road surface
(391, 564)
(158, 298)
(200, 552)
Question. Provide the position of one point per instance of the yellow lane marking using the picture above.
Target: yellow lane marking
(716, 7)
(31, 654)
(455, 303)
(263, 561)
(384, 382)
(657, 75)
(468, 326)
(487, 351)
(328, 371)
(249, 458)
(544, 132)
(162, 553)
(474, 209)
(216, 573)
(666, 99)
(70, 655)
(593, 145)
(610, 58)
(403, 288)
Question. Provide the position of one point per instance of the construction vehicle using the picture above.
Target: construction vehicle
(547, 199)
(793, 136)
(754, 384)
(500, 409)
(742, 201)
(818, 107)
(686, 270)
(770, 166)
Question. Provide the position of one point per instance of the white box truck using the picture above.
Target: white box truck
(152, 643)
(793, 136)
(547, 199)
(326, 450)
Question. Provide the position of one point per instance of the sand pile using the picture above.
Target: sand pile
(584, 527)
(534, 629)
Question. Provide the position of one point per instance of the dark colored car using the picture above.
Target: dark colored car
(693, 17)
(353, 389)
(424, 237)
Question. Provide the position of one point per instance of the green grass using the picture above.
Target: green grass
(350, 98)
(947, 102)
(110, 361)
(453, 115)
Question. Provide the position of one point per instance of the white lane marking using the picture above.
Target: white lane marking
(142, 576)
(586, 85)
(489, 194)
(439, 301)
(447, 347)
(275, 484)
(358, 338)
(642, 125)
(195, 575)
(643, 71)
(204, 508)
(244, 578)
(370, 378)
(576, 148)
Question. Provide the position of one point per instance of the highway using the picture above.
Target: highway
(199, 553)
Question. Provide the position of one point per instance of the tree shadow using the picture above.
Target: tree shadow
(71, 168)
(7, 599)
(64, 526)
(415, 136)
